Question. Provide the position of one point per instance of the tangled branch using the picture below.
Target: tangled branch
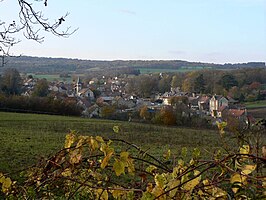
(32, 23)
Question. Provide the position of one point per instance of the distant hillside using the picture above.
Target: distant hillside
(58, 65)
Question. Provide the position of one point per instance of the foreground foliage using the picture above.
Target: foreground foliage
(91, 167)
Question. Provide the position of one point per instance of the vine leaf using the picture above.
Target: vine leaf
(94, 144)
(124, 156)
(196, 153)
(244, 149)
(106, 160)
(75, 156)
(221, 127)
(99, 139)
(167, 154)
(67, 172)
(147, 196)
(116, 129)
(173, 184)
(237, 180)
(119, 167)
(248, 169)
(193, 183)
(118, 194)
(6, 183)
(151, 169)
(101, 195)
(159, 180)
(70, 139)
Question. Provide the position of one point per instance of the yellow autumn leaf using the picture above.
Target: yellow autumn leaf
(264, 185)
(118, 193)
(106, 160)
(149, 187)
(237, 179)
(124, 156)
(151, 169)
(1, 177)
(119, 167)
(116, 129)
(130, 166)
(80, 142)
(244, 149)
(99, 139)
(219, 193)
(247, 169)
(75, 156)
(221, 127)
(67, 172)
(159, 180)
(192, 184)
(206, 182)
(157, 191)
(6, 184)
(173, 184)
(102, 195)
(94, 144)
(70, 139)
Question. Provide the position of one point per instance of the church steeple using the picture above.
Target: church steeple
(78, 86)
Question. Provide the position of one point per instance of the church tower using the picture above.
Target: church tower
(78, 86)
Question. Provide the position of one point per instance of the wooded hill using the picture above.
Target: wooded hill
(28, 64)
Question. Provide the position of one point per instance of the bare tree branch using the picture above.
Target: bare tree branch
(32, 23)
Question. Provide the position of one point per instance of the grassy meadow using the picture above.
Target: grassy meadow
(51, 77)
(25, 138)
(256, 104)
(146, 70)
(257, 109)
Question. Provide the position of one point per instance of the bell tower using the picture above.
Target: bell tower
(78, 86)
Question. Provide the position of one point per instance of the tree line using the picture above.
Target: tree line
(28, 64)
(39, 101)
(241, 84)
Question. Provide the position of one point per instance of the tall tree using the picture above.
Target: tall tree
(11, 82)
(164, 84)
(41, 88)
(199, 84)
(176, 80)
(228, 81)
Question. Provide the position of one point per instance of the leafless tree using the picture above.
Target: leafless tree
(31, 22)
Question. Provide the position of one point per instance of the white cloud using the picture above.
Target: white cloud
(126, 11)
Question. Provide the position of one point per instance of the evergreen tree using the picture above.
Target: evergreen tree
(199, 84)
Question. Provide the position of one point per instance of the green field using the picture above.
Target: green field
(25, 138)
(256, 104)
(181, 70)
(51, 77)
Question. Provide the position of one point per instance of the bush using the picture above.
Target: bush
(91, 167)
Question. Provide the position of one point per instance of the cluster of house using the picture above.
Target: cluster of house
(113, 93)
(215, 106)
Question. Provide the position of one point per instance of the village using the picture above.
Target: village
(112, 101)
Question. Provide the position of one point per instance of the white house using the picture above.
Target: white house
(217, 102)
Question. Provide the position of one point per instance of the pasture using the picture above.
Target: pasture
(256, 104)
(147, 70)
(51, 77)
(257, 109)
(25, 138)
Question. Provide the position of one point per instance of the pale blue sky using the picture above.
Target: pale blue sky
(218, 31)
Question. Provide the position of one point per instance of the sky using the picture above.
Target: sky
(214, 31)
